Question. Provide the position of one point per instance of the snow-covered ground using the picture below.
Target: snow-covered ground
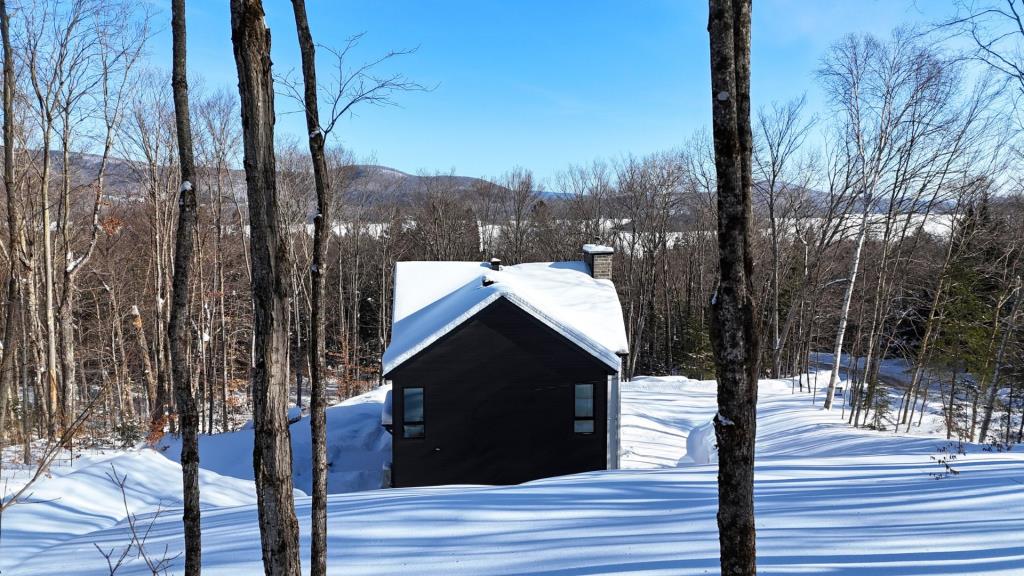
(357, 448)
(893, 369)
(830, 500)
(898, 373)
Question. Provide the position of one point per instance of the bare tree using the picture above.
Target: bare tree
(995, 28)
(993, 386)
(880, 89)
(782, 131)
(321, 230)
(272, 453)
(20, 271)
(53, 51)
(733, 331)
(138, 535)
(178, 327)
(353, 86)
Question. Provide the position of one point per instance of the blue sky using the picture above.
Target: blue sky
(539, 84)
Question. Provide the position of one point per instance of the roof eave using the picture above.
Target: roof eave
(609, 358)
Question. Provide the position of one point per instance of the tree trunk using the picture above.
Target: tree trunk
(155, 412)
(26, 416)
(315, 344)
(178, 327)
(34, 330)
(56, 404)
(272, 456)
(993, 389)
(733, 328)
(15, 232)
(225, 347)
(950, 416)
(844, 314)
(121, 362)
(922, 353)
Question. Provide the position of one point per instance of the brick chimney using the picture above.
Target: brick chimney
(599, 258)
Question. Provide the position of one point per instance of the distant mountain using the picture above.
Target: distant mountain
(371, 182)
(817, 201)
(124, 178)
(388, 183)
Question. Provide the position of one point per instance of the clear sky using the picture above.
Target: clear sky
(539, 84)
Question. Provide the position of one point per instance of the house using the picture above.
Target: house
(504, 374)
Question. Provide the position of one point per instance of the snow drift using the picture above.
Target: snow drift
(357, 448)
(830, 500)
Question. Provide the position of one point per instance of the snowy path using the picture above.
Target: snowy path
(831, 500)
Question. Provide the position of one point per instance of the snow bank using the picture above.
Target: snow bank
(658, 414)
(357, 447)
(80, 500)
(701, 445)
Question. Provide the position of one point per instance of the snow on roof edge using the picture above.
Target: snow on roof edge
(389, 365)
(608, 357)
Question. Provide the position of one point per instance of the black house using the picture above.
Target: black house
(503, 374)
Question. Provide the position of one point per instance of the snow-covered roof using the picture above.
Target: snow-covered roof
(433, 298)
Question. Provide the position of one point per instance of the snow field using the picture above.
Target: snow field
(830, 500)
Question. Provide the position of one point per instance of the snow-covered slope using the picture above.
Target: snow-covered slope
(357, 448)
(830, 499)
(71, 510)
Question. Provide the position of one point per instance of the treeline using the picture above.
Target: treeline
(888, 228)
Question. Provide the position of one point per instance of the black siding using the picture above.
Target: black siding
(498, 404)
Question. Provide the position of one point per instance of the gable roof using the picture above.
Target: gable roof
(433, 298)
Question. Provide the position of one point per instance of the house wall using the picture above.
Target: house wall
(498, 404)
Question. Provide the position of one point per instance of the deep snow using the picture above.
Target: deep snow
(432, 298)
(357, 448)
(830, 500)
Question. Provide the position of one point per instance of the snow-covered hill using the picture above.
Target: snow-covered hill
(830, 500)
(357, 448)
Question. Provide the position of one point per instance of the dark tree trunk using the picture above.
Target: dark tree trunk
(315, 343)
(177, 328)
(733, 329)
(272, 453)
(14, 230)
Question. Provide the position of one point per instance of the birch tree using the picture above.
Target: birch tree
(876, 87)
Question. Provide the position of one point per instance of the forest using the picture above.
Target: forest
(889, 228)
(176, 270)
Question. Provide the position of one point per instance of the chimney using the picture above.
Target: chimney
(599, 258)
(495, 263)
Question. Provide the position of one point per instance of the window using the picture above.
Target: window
(412, 413)
(583, 422)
